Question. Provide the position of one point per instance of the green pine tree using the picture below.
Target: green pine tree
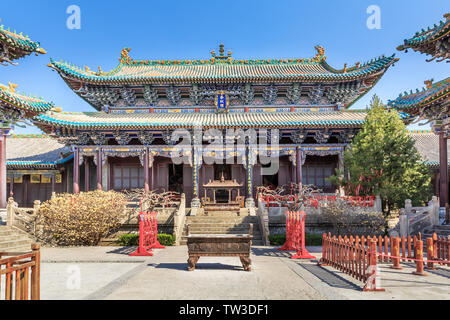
(383, 160)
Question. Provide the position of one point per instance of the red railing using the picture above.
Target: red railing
(354, 256)
(21, 274)
(316, 200)
(148, 234)
(295, 235)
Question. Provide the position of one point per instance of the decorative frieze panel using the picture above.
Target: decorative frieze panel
(145, 137)
(128, 96)
(10, 116)
(167, 137)
(315, 94)
(270, 94)
(195, 95)
(321, 136)
(5, 56)
(122, 138)
(294, 93)
(99, 139)
(150, 95)
(82, 139)
(346, 136)
(343, 93)
(247, 94)
(100, 97)
(173, 95)
(298, 136)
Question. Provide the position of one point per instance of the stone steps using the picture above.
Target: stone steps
(440, 230)
(12, 240)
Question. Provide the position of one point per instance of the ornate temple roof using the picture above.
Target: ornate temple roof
(425, 103)
(30, 106)
(103, 121)
(15, 45)
(35, 151)
(433, 41)
(222, 69)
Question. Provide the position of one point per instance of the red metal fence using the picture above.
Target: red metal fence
(358, 256)
(295, 235)
(354, 256)
(317, 200)
(148, 234)
(21, 273)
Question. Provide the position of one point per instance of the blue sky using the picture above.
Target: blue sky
(191, 29)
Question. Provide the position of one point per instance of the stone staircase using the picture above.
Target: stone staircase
(14, 240)
(440, 230)
(223, 223)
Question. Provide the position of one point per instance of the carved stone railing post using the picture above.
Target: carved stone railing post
(179, 220)
(36, 206)
(404, 223)
(263, 214)
(378, 204)
(408, 206)
(435, 203)
(10, 209)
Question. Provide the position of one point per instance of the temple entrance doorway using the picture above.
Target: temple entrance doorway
(222, 170)
(269, 180)
(176, 178)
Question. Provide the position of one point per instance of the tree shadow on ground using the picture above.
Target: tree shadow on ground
(123, 250)
(200, 266)
(272, 252)
(329, 277)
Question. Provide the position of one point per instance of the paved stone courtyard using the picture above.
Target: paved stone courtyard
(109, 273)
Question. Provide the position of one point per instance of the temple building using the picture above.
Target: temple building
(301, 106)
(433, 102)
(15, 107)
(434, 41)
(14, 46)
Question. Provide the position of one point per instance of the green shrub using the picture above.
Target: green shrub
(80, 219)
(310, 239)
(132, 239)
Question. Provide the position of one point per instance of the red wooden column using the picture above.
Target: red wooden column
(146, 175)
(76, 171)
(443, 169)
(299, 166)
(2, 169)
(86, 174)
(11, 186)
(99, 169)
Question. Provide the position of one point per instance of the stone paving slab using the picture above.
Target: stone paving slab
(89, 254)
(109, 273)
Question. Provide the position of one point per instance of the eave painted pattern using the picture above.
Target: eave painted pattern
(409, 102)
(20, 42)
(426, 36)
(30, 105)
(100, 121)
(135, 72)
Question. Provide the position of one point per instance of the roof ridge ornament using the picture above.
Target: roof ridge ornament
(221, 55)
(11, 87)
(124, 56)
(320, 55)
(428, 83)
